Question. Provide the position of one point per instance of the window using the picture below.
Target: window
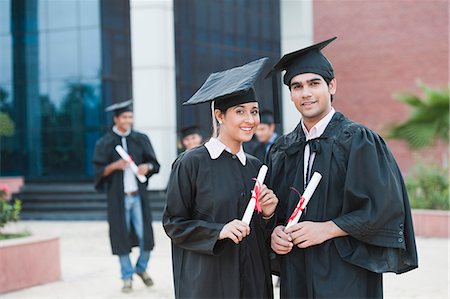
(215, 35)
(58, 65)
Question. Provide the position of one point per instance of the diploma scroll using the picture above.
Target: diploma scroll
(124, 155)
(304, 199)
(251, 205)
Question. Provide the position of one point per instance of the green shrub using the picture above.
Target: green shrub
(428, 187)
(8, 211)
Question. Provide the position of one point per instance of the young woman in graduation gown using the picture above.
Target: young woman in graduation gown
(215, 254)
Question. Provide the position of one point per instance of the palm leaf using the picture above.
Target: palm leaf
(429, 119)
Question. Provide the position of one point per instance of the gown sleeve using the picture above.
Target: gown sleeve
(186, 229)
(149, 156)
(376, 212)
(100, 161)
(277, 162)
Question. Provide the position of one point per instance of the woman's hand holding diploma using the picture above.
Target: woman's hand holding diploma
(235, 230)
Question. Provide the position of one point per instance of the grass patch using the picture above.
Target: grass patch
(7, 236)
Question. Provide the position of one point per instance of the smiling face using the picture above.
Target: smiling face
(312, 97)
(238, 123)
(192, 140)
(124, 121)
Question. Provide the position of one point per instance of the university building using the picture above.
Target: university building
(62, 62)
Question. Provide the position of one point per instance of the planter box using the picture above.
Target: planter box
(431, 223)
(13, 182)
(28, 261)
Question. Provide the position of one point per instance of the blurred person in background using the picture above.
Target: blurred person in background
(129, 213)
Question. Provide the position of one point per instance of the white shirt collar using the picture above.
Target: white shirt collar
(215, 148)
(320, 127)
(121, 134)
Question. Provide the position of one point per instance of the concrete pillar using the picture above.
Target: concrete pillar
(296, 33)
(153, 62)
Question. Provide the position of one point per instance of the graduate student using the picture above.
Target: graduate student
(129, 213)
(265, 136)
(214, 253)
(357, 224)
(190, 137)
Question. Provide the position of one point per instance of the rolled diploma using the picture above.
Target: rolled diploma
(309, 191)
(124, 155)
(251, 204)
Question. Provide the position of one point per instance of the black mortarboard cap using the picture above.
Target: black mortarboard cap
(266, 117)
(306, 60)
(120, 107)
(186, 131)
(230, 87)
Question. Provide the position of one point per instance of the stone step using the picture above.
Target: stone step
(74, 215)
(72, 201)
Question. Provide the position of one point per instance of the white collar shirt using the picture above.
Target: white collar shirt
(129, 179)
(215, 148)
(315, 132)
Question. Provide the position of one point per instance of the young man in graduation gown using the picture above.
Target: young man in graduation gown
(265, 136)
(129, 213)
(357, 224)
(214, 253)
(190, 137)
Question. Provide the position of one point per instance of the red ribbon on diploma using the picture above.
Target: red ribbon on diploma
(298, 208)
(255, 194)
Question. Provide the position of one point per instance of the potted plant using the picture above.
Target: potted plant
(8, 212)
(38, 255)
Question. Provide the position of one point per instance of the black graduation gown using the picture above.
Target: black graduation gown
(256, 149)
(202, 196)
(363, 192)
(141, 150)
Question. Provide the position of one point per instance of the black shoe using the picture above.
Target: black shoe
(145, 278)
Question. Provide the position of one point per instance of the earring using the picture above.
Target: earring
(220, 122)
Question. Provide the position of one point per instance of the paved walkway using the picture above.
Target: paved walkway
(90, 271)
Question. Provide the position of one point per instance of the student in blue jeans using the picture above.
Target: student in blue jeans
(133, 216)
(129, 213)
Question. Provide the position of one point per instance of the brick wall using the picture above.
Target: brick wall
(383, 48)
